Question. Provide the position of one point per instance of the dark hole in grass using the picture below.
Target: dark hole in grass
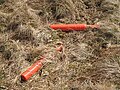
(41, 13)
(58, 11)
(74, 88)
(22, 80)
(2, 88)
(26, 35)
(2, 48)
(98, 4)
(7, 54)
(54, 12)
(88, 4)
(96, 52)
(98, 40)
(73, 58)
(40, 72)
(104, 45)
(12, 26)
(108, 35)
(29, 57)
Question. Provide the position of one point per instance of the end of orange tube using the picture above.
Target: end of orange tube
(60, 48)
(24, 78)
(31, 70)
(94, 26)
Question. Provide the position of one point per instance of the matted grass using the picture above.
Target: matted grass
(90, 59)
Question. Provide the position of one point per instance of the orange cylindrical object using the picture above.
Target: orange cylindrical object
(60, 48)
(66, 27)
(31, 70)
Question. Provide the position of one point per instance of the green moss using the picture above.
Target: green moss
(2, 27)
(2, 48)
(118, 87)
(2, 1)
(2, 75)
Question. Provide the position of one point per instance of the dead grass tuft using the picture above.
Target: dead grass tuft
(23, 34)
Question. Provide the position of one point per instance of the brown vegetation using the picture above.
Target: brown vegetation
(90, 59)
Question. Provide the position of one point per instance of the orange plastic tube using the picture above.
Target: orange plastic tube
(60, 48)
(66, 27)
(32, 70)
(74, 27)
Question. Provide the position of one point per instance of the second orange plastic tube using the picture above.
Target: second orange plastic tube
(66, 27)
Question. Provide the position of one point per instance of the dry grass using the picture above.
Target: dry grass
(90, 59)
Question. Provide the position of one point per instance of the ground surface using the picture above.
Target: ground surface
(90, 59)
